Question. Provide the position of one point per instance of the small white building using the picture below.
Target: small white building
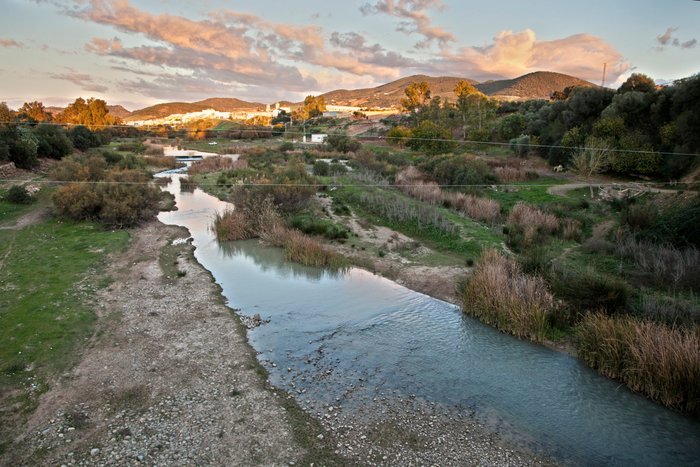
(319, 138)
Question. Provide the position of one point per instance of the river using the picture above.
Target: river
(351, 336)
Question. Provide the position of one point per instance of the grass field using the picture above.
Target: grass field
(48, 272)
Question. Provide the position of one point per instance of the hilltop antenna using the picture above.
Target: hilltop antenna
(605, 67)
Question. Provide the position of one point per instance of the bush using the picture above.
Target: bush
(321, 168)
(660, 362)
(342, 143)
(53, 141)
(18, 194)
(671, 311)
(500, 294)
(590, 290)
(665, 265)
(216, 164)
(310, 223)
(531, 222)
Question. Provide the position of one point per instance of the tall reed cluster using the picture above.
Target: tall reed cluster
(412, 182)
(532, 222)
(499, 293)
(659, 361)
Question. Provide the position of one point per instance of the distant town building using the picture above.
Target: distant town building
(319, 138)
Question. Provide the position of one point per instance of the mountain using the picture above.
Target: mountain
(390, 94)
(222, 104)
(537, 85)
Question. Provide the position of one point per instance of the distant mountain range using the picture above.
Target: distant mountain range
(537, 85)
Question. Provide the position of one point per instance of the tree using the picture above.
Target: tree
(417, 94)
(92, 113)
(314, 106)
(34, 111)
(6, 115)
(53, 141)
(591, 159)
(431, 138)
(473, 107)
(637, 82)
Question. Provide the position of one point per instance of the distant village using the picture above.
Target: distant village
(271, 111)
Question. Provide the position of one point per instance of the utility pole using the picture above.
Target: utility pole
(605, 67)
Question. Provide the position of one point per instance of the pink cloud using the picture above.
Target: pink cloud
(513, 54)
(85, 81)
(11, 43)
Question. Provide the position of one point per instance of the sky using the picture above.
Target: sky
(142, 52)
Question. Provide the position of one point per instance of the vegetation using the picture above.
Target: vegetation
(500, 294)
(661, 362)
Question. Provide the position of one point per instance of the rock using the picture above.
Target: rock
(94, 451)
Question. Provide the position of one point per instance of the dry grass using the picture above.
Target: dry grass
(571, 229)
(532, 222)
(232, 225)
(659, 361)
(512, 174)
(412, 182)
(500, 294)
(216, 164)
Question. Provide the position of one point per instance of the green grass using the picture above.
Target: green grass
(10, 212)
(533, 192)
(46, 276)
(472, 239)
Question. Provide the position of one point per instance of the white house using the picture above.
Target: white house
(319, 138)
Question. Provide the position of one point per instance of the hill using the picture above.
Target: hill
(390, 94)
(222, 104)
(537, 85)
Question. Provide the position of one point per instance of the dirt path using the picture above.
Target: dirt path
(169, 378)
(34, 217)
(562, 190)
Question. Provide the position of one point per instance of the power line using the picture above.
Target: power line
(349, 185)
(382, 138)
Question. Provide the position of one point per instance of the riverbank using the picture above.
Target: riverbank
(169, 378)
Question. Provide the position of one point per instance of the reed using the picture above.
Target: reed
(216, 164)
(500, 294)
(659, 361)
(165, 162)
(532, 222)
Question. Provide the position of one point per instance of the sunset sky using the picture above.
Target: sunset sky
(141, 52)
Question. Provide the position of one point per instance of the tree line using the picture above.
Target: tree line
(642, 129)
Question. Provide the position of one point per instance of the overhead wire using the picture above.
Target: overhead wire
(272, 131)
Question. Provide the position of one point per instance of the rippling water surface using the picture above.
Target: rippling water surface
(352, 335)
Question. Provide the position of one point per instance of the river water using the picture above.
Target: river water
(350, 336)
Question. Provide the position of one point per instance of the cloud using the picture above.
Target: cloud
(85, 81)
(667, 39)
(413, 19)
(513, 54)
(11, 43)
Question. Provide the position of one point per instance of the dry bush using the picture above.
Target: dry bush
(308, 251)
(483, 209)
(511, 174)
(659, 361)
(166, 162)
(216, 164)
(664, 264)
(532, 222)
(232, 225)
(500, 294)
(153, 150)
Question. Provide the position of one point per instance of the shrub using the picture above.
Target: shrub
(571, 229)
(483, 209)
(53, 141)
(589, 290)
(216, 164)
(531, 222)
(512, 174)
(321, 168)
(310, 223)
(500, 294)
(18, 194)
(164, 162)
(661, 362)
(308, 251)
(665, 265)
(232, 224)
(668, 310)
(342, 143)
